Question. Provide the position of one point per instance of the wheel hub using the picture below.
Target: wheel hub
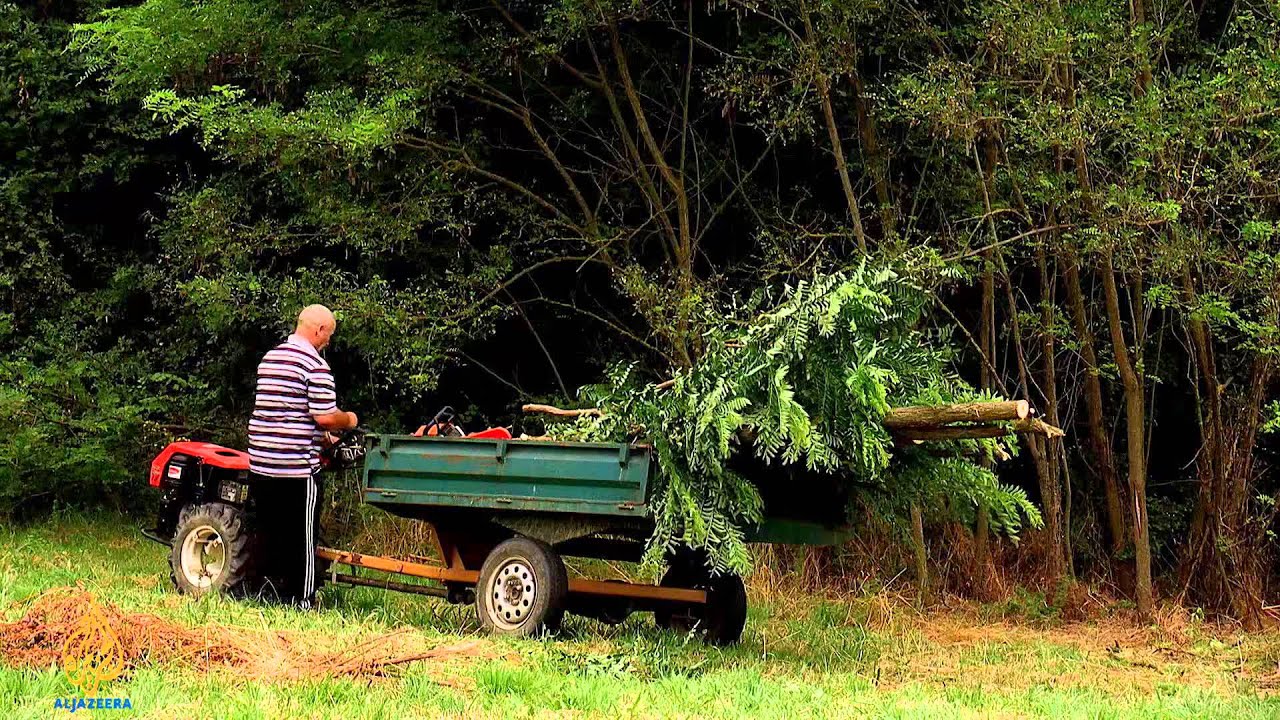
(204, 557)
(512, 594)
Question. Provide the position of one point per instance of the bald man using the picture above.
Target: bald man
(294, 406)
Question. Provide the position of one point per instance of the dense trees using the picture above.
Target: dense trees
(1086, 189)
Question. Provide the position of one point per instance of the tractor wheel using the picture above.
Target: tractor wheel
(719, 622)
(211, 550)
(522, 589)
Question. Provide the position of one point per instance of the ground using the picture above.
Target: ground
(804, 655)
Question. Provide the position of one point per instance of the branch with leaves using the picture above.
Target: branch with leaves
(804, 379)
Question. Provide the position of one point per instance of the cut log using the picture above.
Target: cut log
(925, 416)
(1034, 426)
(533, 408)
(1038, 427)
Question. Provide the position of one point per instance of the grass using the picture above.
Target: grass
(802, 657)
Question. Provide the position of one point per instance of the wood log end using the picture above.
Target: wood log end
(1023, 409)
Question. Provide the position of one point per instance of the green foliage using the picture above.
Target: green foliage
(804, 378)
(1272, 415)
(73, 428)
(307, 108)
(74, 404)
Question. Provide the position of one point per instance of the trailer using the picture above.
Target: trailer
(505, 513)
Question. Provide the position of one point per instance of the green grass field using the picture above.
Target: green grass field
(802, 657)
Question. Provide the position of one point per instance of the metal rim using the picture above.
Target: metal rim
(203, 556)
(513, 593)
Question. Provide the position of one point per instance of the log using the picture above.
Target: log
(1037, 426)
(534, 408)
(925, 416)
(1034, 426)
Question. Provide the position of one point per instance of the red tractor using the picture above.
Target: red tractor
(208, 514)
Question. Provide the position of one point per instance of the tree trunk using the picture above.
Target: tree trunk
(876, 161)
(986, 335)
(1099, 441)
(1049, 499)
(1051, 481)
(1226, 556)
(922, 558)
(833, 134)
(1135, 425)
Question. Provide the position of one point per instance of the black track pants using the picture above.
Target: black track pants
(288, 520)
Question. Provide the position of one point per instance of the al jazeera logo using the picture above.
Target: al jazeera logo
(91, 658)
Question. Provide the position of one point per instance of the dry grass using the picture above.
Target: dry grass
(37, 639)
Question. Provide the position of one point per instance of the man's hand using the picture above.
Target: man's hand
(336, 421)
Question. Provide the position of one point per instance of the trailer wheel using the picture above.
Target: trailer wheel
(522, 588)
(721, 621)
(211, 550)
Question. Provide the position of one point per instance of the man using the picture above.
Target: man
(294, 407)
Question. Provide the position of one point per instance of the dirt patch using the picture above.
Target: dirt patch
(39, 638)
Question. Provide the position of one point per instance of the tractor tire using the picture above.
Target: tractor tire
(719, 622)
(522, 589)
(212, 550)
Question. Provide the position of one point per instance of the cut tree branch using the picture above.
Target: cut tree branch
(932, 416)
(534, 408)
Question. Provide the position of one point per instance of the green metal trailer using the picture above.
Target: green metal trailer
(505, 513)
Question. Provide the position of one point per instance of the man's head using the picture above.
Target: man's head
(316, 325)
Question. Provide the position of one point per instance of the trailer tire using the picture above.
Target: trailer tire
(212, 550)
(522, 589)
(719, 622)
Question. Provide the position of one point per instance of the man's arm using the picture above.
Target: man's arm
(338, 420)
(322, 402)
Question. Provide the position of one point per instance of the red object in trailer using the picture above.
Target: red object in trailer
(498, 433)
(208, 453)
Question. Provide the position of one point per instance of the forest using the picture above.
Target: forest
(1072, 202)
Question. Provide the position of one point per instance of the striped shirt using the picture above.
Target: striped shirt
(294, 386)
